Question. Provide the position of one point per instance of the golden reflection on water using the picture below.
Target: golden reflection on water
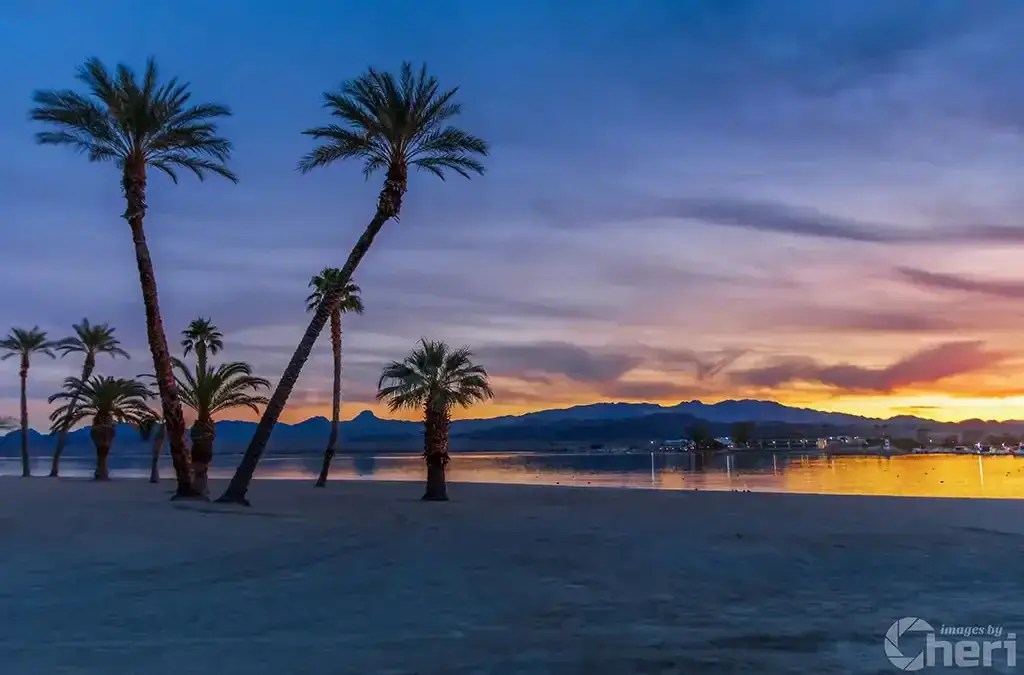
(909, 475)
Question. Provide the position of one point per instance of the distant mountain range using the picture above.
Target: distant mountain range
(615, 423)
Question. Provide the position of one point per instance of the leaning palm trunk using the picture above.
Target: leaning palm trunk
(135, 195)
(26, 470)
(435, 452)
(102, 434)
(389, 205)
(332, 442)
(66, 426)
(204, 433)
(158, 445)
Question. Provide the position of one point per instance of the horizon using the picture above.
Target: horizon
(412, 418)
(829, 226)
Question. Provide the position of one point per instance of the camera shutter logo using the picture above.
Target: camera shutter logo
(909, 624)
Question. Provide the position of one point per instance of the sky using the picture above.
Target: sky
(816, 202)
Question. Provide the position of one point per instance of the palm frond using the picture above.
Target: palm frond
(434, 376)
(384, 121)
(106, 399)
(125, 117)
(23, 343)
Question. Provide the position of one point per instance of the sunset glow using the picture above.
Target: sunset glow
(674, 208)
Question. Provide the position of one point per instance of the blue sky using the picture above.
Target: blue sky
(816, 202)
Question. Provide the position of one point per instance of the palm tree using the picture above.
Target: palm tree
(435, 378)
(212, 390)
(153, 429)
(350, 302)
(23, 344)
(88, 340)
(109, 401)
(139, 123)
(203, 338)
(387, 123)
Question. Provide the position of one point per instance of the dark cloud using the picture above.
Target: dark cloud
(1012, 290)
(781, 218)
(924, 367)
(910, 320)
(557, 358)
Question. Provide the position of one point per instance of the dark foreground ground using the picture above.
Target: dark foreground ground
(363, 578)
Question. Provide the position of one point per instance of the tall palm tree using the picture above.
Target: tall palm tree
(350, 302)
(90, 341)
(209, 391)
(152, 429)
(108, 401)
(138, 123)
(23, 344)
(435, 378)
(387, 123)
(203, 338)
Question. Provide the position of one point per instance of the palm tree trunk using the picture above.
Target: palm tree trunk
(435, 452)
(389, 205)
(87, 369)
(332, 442)
(26, 470)
(102, 438)
(174, 420)
(204, 433)
(158, 445)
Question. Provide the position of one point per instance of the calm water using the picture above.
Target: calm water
(915, 475)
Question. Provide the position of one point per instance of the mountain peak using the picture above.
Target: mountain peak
(365, 416)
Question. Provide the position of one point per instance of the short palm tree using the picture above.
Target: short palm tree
(203, 338)
(152, 429)
(90, 341)
(435, 378)
(140, 123)
(350, 302)
(388, 124)
(23, 344)
(107, 401)
(211, 391)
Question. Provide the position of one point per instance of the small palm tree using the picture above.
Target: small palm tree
(108, 401)
(435, 378)
(140, 123)
(23, 344)
(153, 429)
(203, 338)
(208, 392)
(90, 341)
(388, 124)
(350, 302)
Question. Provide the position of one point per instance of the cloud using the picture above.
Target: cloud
(780, 218)
(838, 320)
(921, 368)
(1012, 290)
(557, 358)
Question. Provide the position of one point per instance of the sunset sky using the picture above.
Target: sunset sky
(815, 202)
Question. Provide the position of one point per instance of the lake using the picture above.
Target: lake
(909, 475)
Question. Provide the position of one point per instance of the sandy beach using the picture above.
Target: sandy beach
(364, 578)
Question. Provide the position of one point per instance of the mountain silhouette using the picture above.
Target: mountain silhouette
(595, 423)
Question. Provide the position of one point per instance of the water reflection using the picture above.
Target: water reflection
(911, 475)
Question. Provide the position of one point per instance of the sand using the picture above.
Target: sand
(364, 578)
